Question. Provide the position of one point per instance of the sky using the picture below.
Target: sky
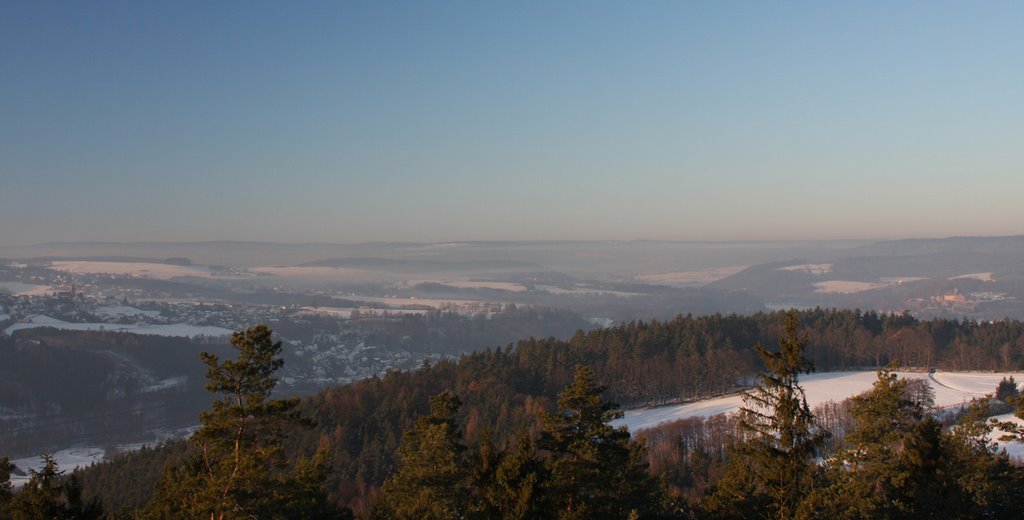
(352, 121)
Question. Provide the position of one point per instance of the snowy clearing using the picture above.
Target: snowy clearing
(115, 311)
(137, 269)
(809, 268)
(847, 286)
(317, 273)
(476, 284)
(690, 278)
(584, 291)
(434, 303)
(984, 277)
(25, 289)
(175, 329)
(67, 461)
(951, 389)
(1014, 449)
(346, 312)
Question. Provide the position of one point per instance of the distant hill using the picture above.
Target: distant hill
(403, 265)
(902, 274)
(915, 247)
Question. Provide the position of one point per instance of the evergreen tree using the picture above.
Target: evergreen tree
(48, 495)
(596, 470)
(772, 465)
(6, 488)
(983, 474)
(1007, 391)
(431, 481)
(894, 464)
(512, 482)
(238, 469)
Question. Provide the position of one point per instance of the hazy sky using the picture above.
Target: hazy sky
(350, 121)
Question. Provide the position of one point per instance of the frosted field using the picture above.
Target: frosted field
(67, 460)
(983, 277)
(689, 278)
(73, 458)
(139, 269)
(951, 389)
(114, 311)
(346, 312)
(25, 289)
(176, 329)
(477, 284)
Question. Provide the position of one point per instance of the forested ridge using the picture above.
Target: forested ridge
(505, 394)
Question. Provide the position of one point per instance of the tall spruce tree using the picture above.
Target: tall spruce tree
(431, 481)
(238, 469)
(6, 488)
(515, 488)
(50, 495)
(895, 463)
(597, 472)
(772, 466)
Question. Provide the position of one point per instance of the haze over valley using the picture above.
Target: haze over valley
(550, 260)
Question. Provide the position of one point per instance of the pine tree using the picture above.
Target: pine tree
(772, 467)
(1007, 390)
(431, 481)
(596, 470)
(512, 482)
(48, 494)
(893, 461)
(239, 470)
(6, 488)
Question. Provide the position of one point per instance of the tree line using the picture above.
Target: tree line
(503, 395)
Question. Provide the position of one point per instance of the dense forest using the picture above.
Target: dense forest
(517, 403)
(117, 386)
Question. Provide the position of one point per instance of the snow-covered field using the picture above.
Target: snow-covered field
(72, 458)
(951, 389)
(1014, 449)
(809, 268)
(115, 311)
(584, 291)
(25, 289)
(175, 329)
(846, 286)
(67, 460)
(690, 278)
(139, 269)
(984, 277)
(346, 312)
(479, 284)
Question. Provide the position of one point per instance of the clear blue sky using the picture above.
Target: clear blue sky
(352, 121)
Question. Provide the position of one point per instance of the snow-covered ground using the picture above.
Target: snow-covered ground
(984, 277)
(479, 284)
(175, 329)
(1014, 449)
(346, 312)
(809, 268)
(25, 289)
(115, 311)
(690, 278)
(138, 269)
(951, 389)
(67, 460)
(72, 458)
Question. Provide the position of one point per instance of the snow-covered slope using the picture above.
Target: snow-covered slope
(951, 389)
(175, 329)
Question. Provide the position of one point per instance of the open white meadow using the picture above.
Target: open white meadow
(25, 289)
(983, 277)
(951, 389)
(174, 329)
(137, 269)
